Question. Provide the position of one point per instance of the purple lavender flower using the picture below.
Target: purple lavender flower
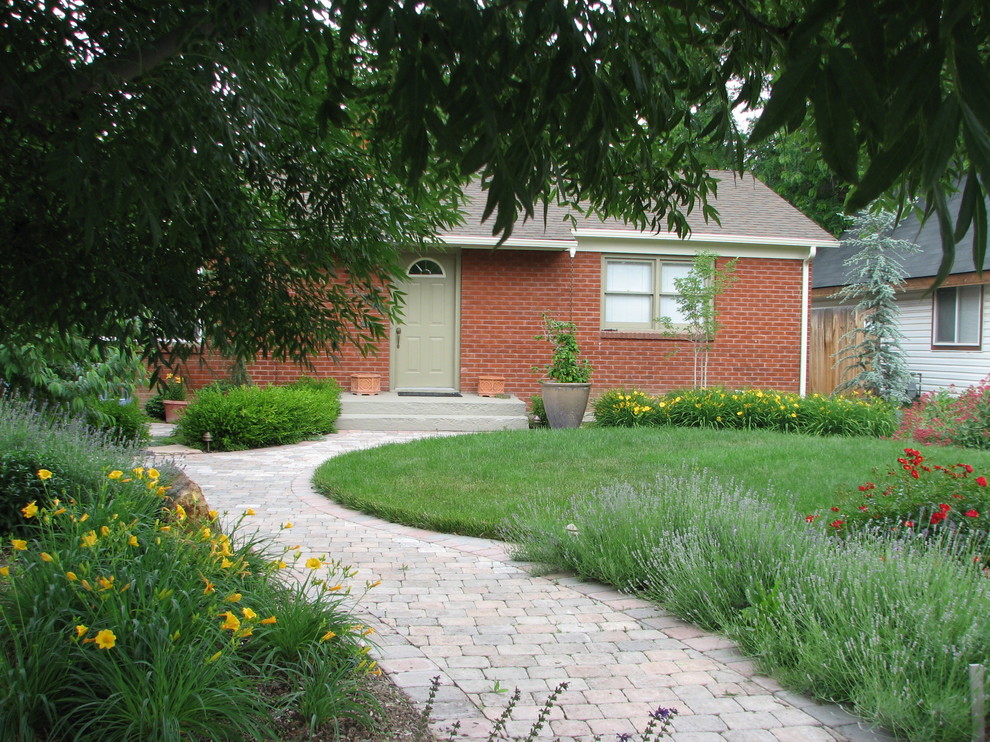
(662, 714)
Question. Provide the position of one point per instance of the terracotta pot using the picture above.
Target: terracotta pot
(174, 409)
(565, 403)
(366, 384)
(491, 386)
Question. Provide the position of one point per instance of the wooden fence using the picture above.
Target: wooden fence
(828, 326)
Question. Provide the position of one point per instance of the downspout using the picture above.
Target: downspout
(805, 312)
(570, 294)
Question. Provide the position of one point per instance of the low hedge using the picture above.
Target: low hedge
(752, 409)
(254, 417)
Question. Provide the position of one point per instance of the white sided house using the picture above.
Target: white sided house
(945, 333)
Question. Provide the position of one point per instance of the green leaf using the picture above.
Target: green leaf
(833, 120)
(967, 205)
(941, 140)
(980, 232)
(937, 197)
(884, 169)
(788, 96)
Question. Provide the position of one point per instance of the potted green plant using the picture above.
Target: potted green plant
(173, 392)
(567, 385)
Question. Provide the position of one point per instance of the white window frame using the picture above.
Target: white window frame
(656, 295)
(967, 299)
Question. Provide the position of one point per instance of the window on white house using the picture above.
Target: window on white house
(958, 316)
(636, 292)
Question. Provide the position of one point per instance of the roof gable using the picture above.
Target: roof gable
(746, 206)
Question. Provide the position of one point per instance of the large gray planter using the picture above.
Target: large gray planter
(565, 403)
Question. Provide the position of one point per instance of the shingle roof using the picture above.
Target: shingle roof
(829, 269)
(747, 208)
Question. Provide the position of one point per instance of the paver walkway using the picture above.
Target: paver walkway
(459, 608)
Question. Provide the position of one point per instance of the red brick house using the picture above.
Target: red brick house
(473, 310)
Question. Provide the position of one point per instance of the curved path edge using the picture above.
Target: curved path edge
(459, 608)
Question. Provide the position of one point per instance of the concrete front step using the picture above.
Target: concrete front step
(389, 411)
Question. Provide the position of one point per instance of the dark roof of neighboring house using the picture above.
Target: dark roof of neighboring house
(747, 208)
(829, 269)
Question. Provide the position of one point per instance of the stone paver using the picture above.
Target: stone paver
(461, 609)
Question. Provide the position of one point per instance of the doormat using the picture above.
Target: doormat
(429, 394)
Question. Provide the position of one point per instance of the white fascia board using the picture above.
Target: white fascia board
(736, 246)
(513, 243)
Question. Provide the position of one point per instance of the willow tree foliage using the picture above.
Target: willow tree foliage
(207, 168)
(875, 350)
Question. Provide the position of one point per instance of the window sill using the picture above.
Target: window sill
(957, 347)
(638, 335)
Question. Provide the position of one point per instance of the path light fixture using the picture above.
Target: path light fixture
(207, 439)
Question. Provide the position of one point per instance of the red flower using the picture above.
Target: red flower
(967, 467)
(811, 518)
(982, 481)
(863, 508)
(944, 508)
(972, 514)
(958, 497)
(914, 473)
(867, 487)
(837, 523)
(834, 509)
(909, 524)
(937, 518)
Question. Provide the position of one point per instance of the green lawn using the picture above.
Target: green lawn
(469, 484)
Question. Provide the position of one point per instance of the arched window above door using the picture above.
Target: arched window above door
(425, 267)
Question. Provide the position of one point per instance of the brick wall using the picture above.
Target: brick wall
(758, 345)
(504, 292)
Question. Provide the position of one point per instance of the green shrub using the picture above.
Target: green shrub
(254, 417)
(32, 439)
(943, 417)
(537, 412)
(915, 497)
(122, 422)
(155, 407)
(751, 410)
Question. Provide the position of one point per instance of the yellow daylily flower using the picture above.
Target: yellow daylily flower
(46, 557)
(249, 511)
(88, 539)
(328, 636)
(248, 614)
(269, 620)
(30, 510)
(314, 563)
(18, 544)
(232, 623)
(153, 473)
(233, 598)
(133, 541)
(4, 571)
(44, 474)
(71, 576)
(115, 474)
(105, 639)
(81, 630)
